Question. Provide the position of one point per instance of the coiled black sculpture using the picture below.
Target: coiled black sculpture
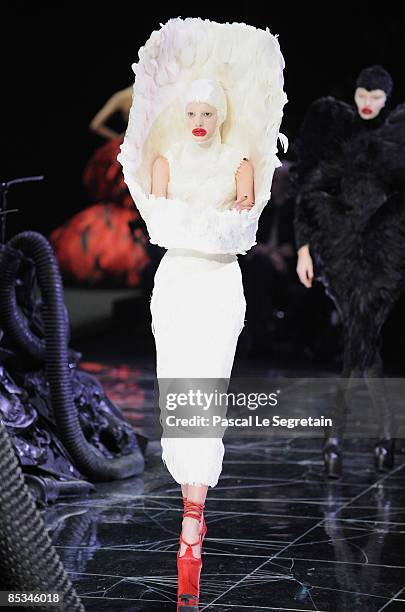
(55, 352)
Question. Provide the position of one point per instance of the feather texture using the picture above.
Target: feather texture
(249, 65)
(350, 209)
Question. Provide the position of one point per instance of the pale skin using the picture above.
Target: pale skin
(369, 105)
(202, 115)
(199, 115)
(119, 102)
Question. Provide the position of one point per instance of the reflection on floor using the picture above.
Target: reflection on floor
(280, 537)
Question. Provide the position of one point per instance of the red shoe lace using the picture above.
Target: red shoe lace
(188, 566)
(187, 509)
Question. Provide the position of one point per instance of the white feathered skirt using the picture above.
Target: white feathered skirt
(198, 310)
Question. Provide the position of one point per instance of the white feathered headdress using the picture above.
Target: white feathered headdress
(248, 63)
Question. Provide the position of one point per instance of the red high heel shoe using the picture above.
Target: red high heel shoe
(204, 526)
(188, 566)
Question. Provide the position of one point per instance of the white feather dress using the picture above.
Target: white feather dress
(197, 303)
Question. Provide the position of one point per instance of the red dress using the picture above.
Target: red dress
(106, 244)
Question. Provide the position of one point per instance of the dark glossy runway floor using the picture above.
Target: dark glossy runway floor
(280, 537)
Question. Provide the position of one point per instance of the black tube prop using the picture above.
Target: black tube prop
(89, 461)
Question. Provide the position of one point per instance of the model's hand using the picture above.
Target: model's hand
(242, 204)
(305, 268)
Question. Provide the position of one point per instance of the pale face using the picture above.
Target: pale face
(201, 119)
(369, 103)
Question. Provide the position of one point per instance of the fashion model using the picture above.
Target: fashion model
(350, 233)
(198, 157)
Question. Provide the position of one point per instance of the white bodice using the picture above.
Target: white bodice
(197, 213)
(203, 180)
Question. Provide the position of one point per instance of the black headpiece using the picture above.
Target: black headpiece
(375, 77)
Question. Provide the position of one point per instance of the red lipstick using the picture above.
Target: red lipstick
(366, 111)
(199, 132)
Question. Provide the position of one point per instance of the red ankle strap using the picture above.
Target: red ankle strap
(193, 509)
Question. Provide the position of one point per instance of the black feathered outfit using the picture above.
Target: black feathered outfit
(350, 210)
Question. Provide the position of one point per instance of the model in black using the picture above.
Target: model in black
(350, 232)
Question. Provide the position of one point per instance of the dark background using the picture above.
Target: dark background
(63, 60)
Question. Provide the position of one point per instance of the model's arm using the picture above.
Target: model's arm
(326, 125)
(305, 269)
(245, 191)
(97, 124)
(160, 177)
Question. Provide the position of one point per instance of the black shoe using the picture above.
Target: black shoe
(384, 454)
(332, 457)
